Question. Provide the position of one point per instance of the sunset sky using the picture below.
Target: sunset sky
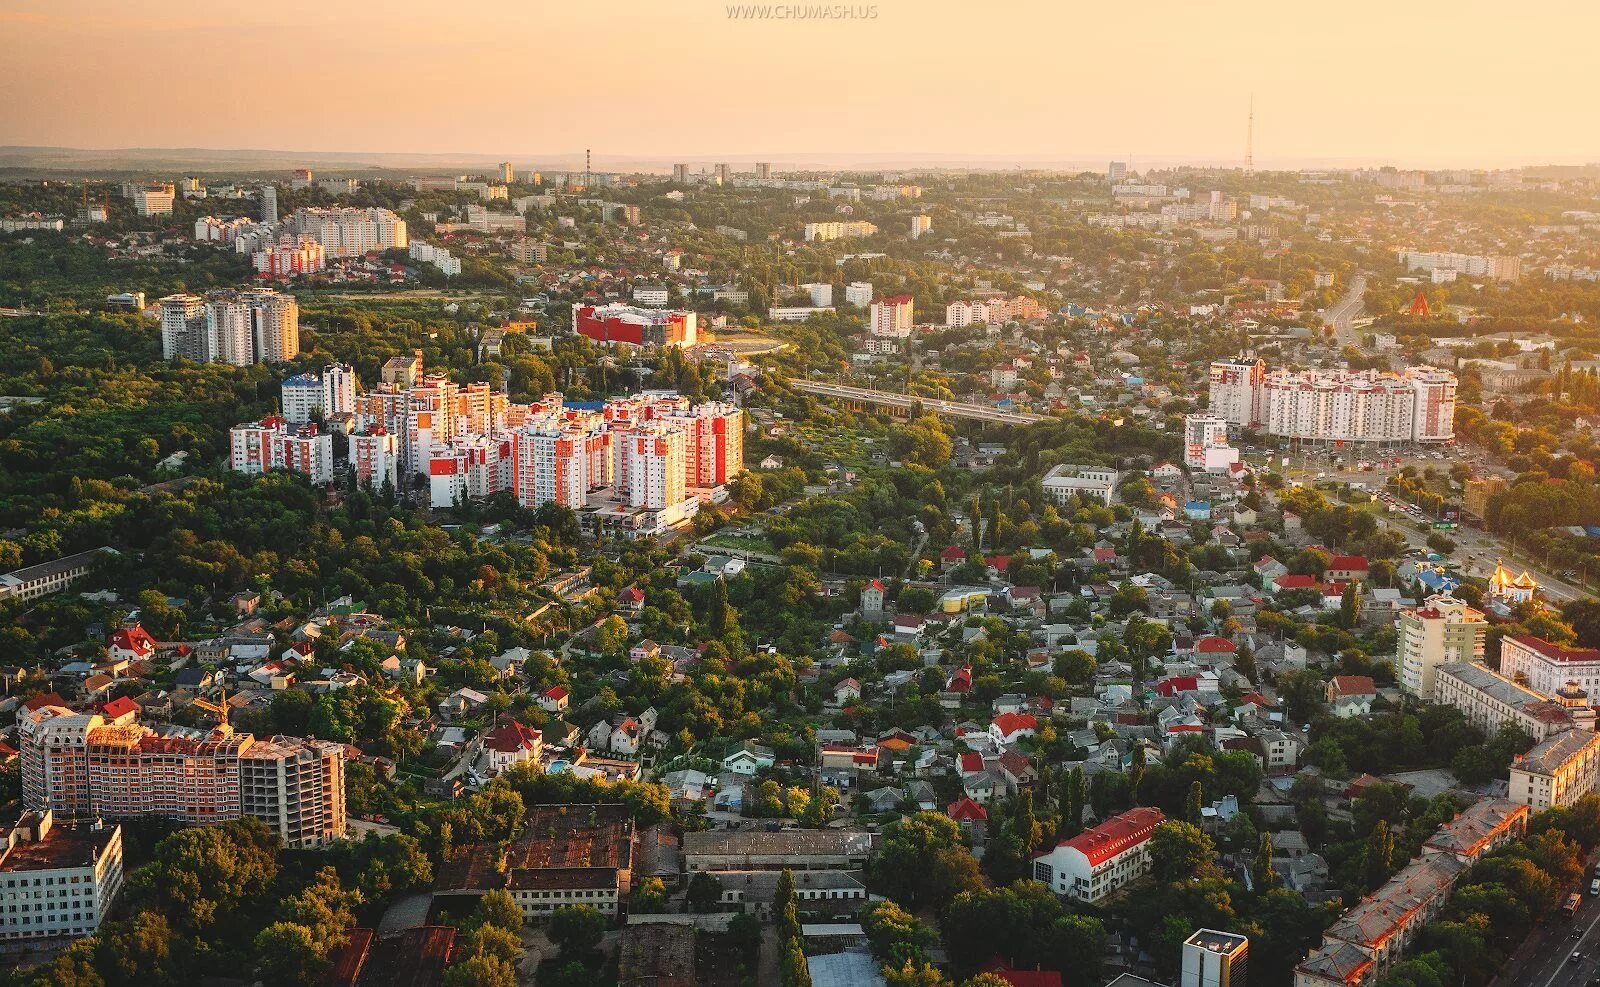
(1355, 83)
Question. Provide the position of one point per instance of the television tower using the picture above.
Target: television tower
(1250, 138)
(586, 176)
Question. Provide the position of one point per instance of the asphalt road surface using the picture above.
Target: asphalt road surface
(1544, 959)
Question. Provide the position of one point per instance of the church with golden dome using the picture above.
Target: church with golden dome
(1512, 589)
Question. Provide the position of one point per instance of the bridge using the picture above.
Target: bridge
(902, 403)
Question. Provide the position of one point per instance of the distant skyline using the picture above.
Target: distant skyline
(649, 82)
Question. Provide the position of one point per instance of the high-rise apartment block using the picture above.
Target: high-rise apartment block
(1336, 405)
(1442, 631)
(269, 444)
(289, 257)
(822, 232)
(1236, 391)
(85, 765)
(351, 232)
(858, 293)
(240, 327)
(891, 316)
(269, 203)
(152, 200)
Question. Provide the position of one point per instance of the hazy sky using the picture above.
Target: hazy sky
(1398, 81)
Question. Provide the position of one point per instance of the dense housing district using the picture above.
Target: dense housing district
(742, 575)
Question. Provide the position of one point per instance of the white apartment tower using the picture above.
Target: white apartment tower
(1236, 391)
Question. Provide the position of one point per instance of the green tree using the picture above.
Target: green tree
(576, 930)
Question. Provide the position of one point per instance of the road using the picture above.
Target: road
(889, 399)
(1486, 548)
(1342, 316)
(1544, 958)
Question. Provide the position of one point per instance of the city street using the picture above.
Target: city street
(1544, 959)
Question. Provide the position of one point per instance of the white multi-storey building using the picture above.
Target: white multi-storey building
(351, 232)
(1557, 772)
(183, 325)
(338, 389)
(301, 398)
(1067, 481)
(1361, 406)
(1237, 390)
(1547, 667)
(819, 232)
(651, 474)
(1098, 862)
(891, 316)
(1205, 442)
(858, 293)
(152, 200)
(1490, 701)
(57, 880)
(1442, 631)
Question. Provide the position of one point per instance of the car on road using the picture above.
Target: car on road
(1594, 887)
(1576, 957)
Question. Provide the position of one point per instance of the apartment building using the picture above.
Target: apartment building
(351, 232)
(1237, 389)
(1214, 959)
(267, 445)
(289, 256)
(1100, 861)
(152, 200)
(891, 316)
(1336, 405)
(33, 581)
(1480, 829)
(57, 880)
(1364, 942)
(1558, 771)
(1547, 667)
(80, 765)
(1490, 701)
(240, 327)
(1442, 631)
(822, 232)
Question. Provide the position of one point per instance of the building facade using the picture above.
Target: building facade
(1442, 631)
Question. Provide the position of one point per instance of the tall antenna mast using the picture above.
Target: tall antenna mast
(587, 180)
(1250, 138)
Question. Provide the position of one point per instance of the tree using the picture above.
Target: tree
(705, 893)
(914, 974)
(923, 862)
(1379, 860)
(1195, 801)
(1261, 872)
(651, 897)
(1072, 805)
(1180, 851)
(290, 954)
(785, 907)
(499, 909)
(1350, 606)
(197, 875)
(795, 972)
(483, 971)
(897, 937)
(576, 930)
